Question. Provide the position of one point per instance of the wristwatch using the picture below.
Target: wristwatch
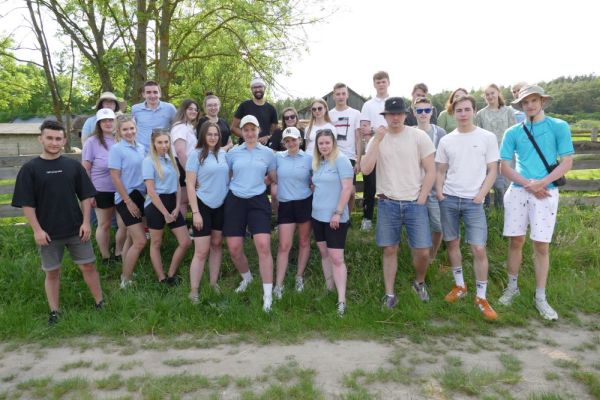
(338, 212)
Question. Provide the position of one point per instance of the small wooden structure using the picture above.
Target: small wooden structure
(355, 100)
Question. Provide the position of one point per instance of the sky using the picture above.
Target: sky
(444, 43)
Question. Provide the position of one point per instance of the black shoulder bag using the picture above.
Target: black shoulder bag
(560, 181)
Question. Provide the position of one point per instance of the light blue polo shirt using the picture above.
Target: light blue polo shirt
(328, 187)
(553, 137)
(147, 119)
(293, 176)
(88, 127)
(166, 185)
(249, 168)
(212, 177)
(128, 159)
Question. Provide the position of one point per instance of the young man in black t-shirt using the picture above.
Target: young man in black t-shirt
(49, 189)
(258, 106)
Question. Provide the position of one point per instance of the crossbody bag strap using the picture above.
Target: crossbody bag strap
(535, 145)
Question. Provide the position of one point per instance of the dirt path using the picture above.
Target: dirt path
(516, 363)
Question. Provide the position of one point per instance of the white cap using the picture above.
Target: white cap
(249, 119)
(291, 132)
(105, 113)
(257, 82)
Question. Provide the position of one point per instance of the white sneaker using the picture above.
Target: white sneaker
(366, 225)
(299, 284)
(278, 292)
(194, 298)
(341, 309)
(125, 282)
(243, 285)
(508, 295)
(545, 310)
(267, 302)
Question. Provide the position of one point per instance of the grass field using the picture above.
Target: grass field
(148, 308)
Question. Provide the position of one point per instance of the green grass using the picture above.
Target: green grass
(590, 380)
(148, 308)
(584, 174)
(7, 182)
(5, 198)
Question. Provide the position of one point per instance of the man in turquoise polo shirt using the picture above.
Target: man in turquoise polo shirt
(151, 114)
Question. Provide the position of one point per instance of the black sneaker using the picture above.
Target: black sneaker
(53, 318)
(173, 280)
(100, 305)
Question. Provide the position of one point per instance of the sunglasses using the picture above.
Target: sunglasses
(314, 109)
(289, 117)
(423, 110)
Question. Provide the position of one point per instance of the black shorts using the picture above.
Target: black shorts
(295, 211)
(127, 218)
(335, 239)
(212, 219)
(155, 219)
(181, 172)
(253, 213)
(353, 162)
(105, 199)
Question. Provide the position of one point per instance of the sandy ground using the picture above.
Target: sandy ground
(538, 349)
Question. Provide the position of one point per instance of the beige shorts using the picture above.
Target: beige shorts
(522, 209)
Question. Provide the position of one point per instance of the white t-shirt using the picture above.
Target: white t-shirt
(185, 132)
(312, 135)
(467, 156)
(371, 112)
(346, 123)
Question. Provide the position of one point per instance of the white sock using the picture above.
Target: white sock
(540, 294)
(481, 288)
(267, 289)
(390, 295)
(458, 276)
(246, 276)
(512, 281)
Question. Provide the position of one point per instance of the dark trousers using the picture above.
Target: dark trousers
(369, 195)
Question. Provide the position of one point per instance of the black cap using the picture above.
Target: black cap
(394, 105)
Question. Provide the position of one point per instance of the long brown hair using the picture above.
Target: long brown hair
(451, 99)
(203, 142)
(100, 135)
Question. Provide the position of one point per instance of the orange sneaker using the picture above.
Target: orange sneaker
(486, 310)
(457, 292)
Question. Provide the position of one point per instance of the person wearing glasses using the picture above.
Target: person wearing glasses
(420, 90)
(423, 109)
(402, 196)
(289, 119)
(212, 107)
(247, 206)
(319, 120)
(332, 180)
(257, 106)
(495, 118)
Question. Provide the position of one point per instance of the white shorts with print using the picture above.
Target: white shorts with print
(522, 208)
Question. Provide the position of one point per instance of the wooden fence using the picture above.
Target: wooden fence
(587, 157)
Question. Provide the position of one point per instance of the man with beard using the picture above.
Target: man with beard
(264, 112)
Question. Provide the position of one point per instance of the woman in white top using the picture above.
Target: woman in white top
(183, 141)
(319, 120)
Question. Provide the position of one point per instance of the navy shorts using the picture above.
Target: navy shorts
(253, 213)
(155, 219)
(181, 173)
(335, 238)
(295, 211)
(105, 199)
(212, 219)
(126, 216)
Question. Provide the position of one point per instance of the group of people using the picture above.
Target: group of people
(150, 168)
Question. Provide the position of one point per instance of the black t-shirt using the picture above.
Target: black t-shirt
(53, 188)
(275, 141)
(265, 114)
(411, 118)
(223, 127)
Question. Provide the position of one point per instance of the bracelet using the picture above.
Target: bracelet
(337, 212)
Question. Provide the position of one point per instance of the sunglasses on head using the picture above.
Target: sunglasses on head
(423, 110)
(320, 108)
(289, 117)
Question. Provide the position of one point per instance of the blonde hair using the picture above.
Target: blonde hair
(122, 119)
(154, 154)
(312, 117)
(317, 156)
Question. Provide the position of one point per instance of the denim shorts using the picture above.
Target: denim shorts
(433, 208)
(453, 209)
(393, 214)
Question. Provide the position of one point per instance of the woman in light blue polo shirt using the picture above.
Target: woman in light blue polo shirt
(125, 162)
(162, 205)
(207, 170)
(295, 205)
(332, 178)
(247, 206)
